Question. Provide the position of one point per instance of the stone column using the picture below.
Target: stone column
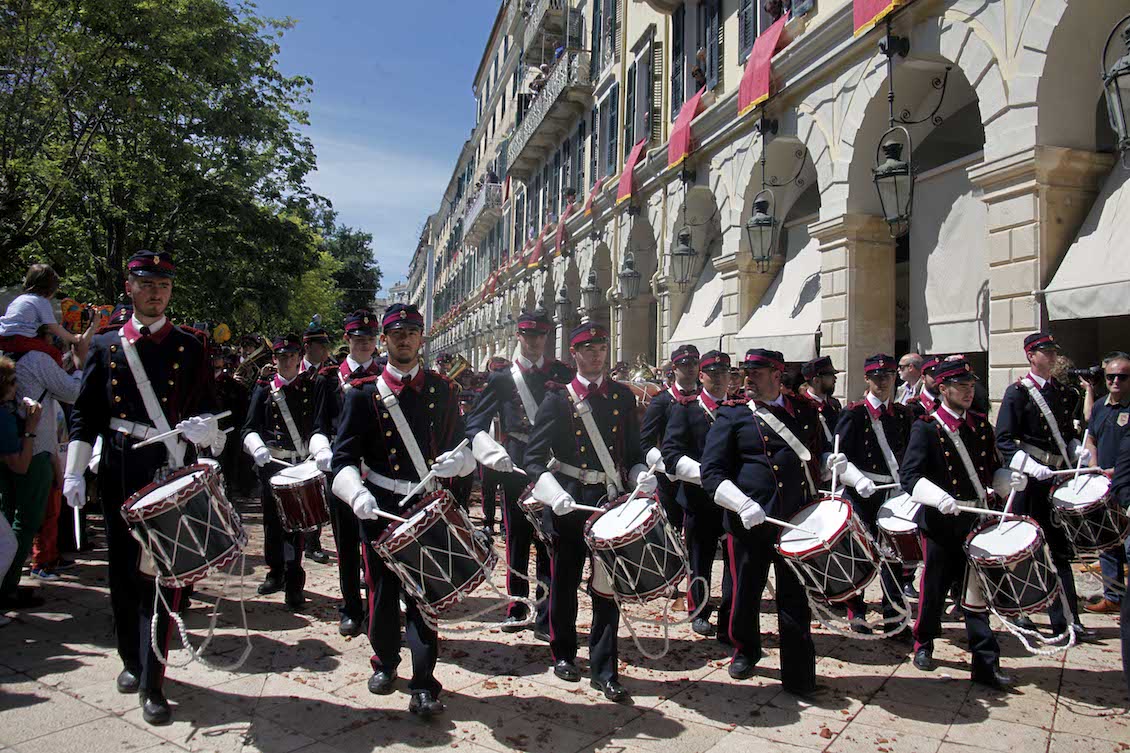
(857, 294)
(742, 285)
(1037, 199)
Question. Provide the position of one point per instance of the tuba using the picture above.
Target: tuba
(458, 365)
(248, 370)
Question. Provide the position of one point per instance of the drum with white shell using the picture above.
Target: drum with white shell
(898, 530)
(832, 555)
(1012, 564)
(639, 548)
(1085, 508)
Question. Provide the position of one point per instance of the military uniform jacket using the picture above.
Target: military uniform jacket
(931, 454)
(688, 423)
(500, 399)
(829, 408)
(266, 419)
(858, 440)
(330, 385)
(655, 418)
(178, 367)
(367, 433)
(1019, 419)
(559, 432)
(743, 448)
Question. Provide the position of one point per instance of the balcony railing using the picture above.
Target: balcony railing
(482, 213)
(546, 30)
(567, 93)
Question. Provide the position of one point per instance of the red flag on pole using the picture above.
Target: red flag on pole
(867, 13)
(624, 190)
(681, 144)
(754, 88)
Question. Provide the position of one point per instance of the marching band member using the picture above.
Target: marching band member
(927, 399)
(398, 423)
(762, 457)
(654, 425)
(315, 355)
(951, 456)
(1036, 435)
(589, 427)
(512, 396)
(279, 423)
(820, 375)
(330, 386)
(138, 380)
(688, 424)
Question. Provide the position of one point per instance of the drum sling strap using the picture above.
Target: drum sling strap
(392, 405)
(529, 405)
(1045, 409)
(291, 428)
(711, 415)
(794, 444)
(970, 470)
(885, 446)
(824, 425)
(152, 404)
(584, 410)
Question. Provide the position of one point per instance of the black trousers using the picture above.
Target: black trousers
(702, 530)
(751, 553)
(281, 550)
(1124, 630)
(347, 537)
(492, 484)
(519, 537)
(668, 492)
(385, 593)
(943, 567)
(890, 575)
(568, 556)
(1035, 501)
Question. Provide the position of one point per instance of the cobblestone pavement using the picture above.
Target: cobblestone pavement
(304, 688)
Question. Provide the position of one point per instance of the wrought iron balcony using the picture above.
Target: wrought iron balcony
(546, 29)
(482, 213)
(566, 94)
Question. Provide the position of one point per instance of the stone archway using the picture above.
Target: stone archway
(637, 319)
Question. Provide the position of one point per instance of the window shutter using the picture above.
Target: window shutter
(713, 42)
(613, 127)
(597, 36)
(747, 28)
(656, 109)
(594, 148)
(614, 26)
(678, 27)
(630, 106)
(720, 50)
(579, 162)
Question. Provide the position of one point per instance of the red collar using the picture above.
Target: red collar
(677, 392)
(584, 393)
(876, 412)
(416, 383)
(133, 335)
(953, 423)
(927, 402)
(347, 374)
(707, 400)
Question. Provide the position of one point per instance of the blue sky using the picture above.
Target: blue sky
(391, 108)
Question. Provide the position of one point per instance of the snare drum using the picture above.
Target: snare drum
(897, 528)
(186, 525)
(532, 510)
(1087, 511)
(436, 553)
(300, 495)
(214, 466)
(638, 548)
(1012, 566)
(838, 562)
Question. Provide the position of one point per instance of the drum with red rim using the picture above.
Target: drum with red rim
(1012, 565)
(1085, 508)
(639, 548)
(897, 529)
(532, 510)
(833, 557)
(300, 495)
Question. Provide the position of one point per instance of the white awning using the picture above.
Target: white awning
(1093, 280)
(701, 323)
(788, 316)
(949, 266)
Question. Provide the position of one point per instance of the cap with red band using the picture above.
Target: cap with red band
(957, 370)
(361, 322)
(288, 343)
(760, 358)
(534, 321)
(818, 366)
(930, 364)
(879, 362)
(152, 264)
(590, 332)
(401, 315)
(1040, 341)
(714, 359)
(684, 353)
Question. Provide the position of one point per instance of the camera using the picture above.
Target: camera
(1091, 373)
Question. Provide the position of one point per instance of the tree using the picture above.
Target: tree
(359, 276)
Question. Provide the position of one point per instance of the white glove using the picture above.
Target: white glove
(689, 470)
(655, 457)
(864, 487)
(850, 475)
(836, 463)
(454, 463)
(347, 485)
(74, 482)
(549, 492)
(261, 456)
(752, 515)
(1017, 481)
(74, 490)
(947, 505)
(322, 459)
(1083, 455)
(490, 453)
(199, 430)
(729, 497)
(218, 443)
(1024, 463)
(254, 446)
(926, 492)
(643, 479)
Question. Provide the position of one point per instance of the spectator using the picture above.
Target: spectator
(28, 312)
(1120, 488)
(910, 372)
(25, 477)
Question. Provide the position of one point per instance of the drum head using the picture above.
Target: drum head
(825, 518)
(622, 519)
(1004, 539)
(163, 492)
(897, 514)
(1081, 492)
(297, 474)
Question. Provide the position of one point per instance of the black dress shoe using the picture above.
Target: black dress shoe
(1024, 623)
(349, 626)
(381, 682)
(741, 667)
(567, 670)
(612, 690)
(424, 705)
(295, 598)
(702, 626)
(273, 583)
(992, 677)
(319, 555)
(154, 707)
(861, 627)
(924, 660)
(514, 624)
(909, 591)
(128, 681)
(1082, 634)
(542, 636)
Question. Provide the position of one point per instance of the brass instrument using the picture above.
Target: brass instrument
(458, 365)
(248, 370)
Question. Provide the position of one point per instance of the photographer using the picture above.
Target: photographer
(1107, 423)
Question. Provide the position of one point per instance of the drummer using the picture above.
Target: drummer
(330, 385)
(596, 462)
(368, 432)
(873, 434)
(1036, 435)
(315, 356)
(276, 434)
(926, 401)
(654, 425)
(934, 473)
(751, 467)
(512, 396)
(172, 371)
(820, 375)
(688, 423)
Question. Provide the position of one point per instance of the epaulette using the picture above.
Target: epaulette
(371, 379)
(200, 335)
(927, 417)
(854, 405)
(980, 416)
(554, 386)
(108, 328)
(328, 370)
(734, 402)
(686, 399)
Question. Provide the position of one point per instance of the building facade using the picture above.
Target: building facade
(620, 146)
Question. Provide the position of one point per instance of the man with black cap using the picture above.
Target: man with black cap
(401, 424)
(140, 380)
(232, 395)
(689, 422)
(820, 375)
(950, 456)
(873, 435)
(927, 399)
(315, 355)
(279, 423)
(589, 428)
(654, 426)
(1036, 435)
(330, 386)
(512, 395)
(762, 457)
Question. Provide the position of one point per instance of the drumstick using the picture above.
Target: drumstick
(382, 514)
(174, 432)
(790, 526)
(78, 528)
(835, 475)
(588, 508)
(884, 487)
(636, 491)
(1078, 471)
(428, 478)
(1008, 504)
(1079, 467)
(282, 462)
(985, 511)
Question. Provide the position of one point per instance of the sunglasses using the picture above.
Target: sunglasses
(1117, 377)
(905, 366)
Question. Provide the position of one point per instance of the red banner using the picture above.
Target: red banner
(681, 143)
(867, 13)
(754, 88)
(624, 190)
(535, 255)
(592, 195)
(562, 236)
